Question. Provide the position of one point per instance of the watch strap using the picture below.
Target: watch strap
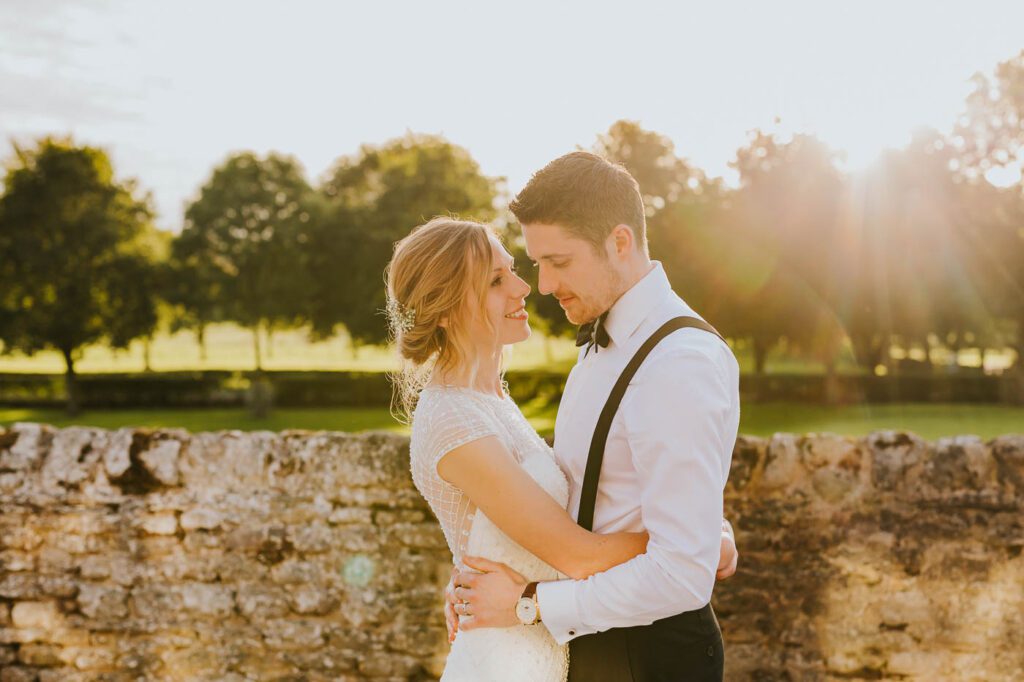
(530, 592)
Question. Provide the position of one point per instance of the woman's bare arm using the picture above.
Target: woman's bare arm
(487, 473)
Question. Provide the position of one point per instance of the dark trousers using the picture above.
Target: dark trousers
(683, 648)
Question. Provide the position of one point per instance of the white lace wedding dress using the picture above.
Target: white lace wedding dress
(445, 418)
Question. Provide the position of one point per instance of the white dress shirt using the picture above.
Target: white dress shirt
(665, 464)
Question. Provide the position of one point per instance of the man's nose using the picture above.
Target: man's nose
(546, 284)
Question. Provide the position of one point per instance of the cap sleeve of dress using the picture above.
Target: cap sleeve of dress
(453, 421)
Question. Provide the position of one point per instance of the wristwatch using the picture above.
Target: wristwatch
(526, 608)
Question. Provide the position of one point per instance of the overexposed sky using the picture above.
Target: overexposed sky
(170, 88)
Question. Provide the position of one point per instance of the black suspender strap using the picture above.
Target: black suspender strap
(588, 497)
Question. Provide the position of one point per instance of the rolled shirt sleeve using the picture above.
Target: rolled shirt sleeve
(679, 418)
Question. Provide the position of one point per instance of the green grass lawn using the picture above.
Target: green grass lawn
(231, 347)
(927, 420)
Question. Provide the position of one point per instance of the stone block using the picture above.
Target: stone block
(161, 460)
(203, 518)
(207, 599)
(43, 615)
(42, 655)
(163, 523)
(102, 601)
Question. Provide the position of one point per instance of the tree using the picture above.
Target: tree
(370, 201)
(990, 132)
(191, 284)
(918, 226)
(782, 223)
(243, 241)
(989, 136)
(75, 249)
(685, 215)
(650, 157)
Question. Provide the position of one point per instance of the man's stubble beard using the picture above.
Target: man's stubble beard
(611, 293)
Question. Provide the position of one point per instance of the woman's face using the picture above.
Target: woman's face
(505, 302)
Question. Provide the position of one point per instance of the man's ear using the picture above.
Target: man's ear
(623, 240)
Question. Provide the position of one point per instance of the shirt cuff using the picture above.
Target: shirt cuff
(556, 601)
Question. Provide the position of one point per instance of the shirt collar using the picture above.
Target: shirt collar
(636, 304)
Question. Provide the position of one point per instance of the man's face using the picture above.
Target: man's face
(585, 283)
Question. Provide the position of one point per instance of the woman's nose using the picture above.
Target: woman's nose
(525, 288)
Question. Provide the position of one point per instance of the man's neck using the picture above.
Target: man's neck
(633, 276)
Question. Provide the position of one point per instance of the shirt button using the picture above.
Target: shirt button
(572, 633)
(711, 651)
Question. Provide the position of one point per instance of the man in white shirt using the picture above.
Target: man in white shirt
(667, 451)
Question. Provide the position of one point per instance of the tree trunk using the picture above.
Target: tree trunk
(760, 355)
(256, 346)
(201, 339)
(865, 351)
(270, 342)
(146, 342)
(875, 352)
(1018, 364)
(71, 384)
(885, 353)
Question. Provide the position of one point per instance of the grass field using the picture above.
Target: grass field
(929, 421)
(231, 347)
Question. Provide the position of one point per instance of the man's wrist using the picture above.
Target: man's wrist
(529, 593)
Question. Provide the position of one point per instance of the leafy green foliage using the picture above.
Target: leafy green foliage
(76, 249)
(243, 244)
(370, 201)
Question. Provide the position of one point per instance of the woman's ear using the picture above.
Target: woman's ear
(443, 322)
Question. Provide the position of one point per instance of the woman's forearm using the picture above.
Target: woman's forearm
(607, 550)
(515, 503)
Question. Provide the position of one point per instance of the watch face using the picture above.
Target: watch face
(526, 611)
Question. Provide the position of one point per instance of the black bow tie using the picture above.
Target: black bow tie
(593, 334)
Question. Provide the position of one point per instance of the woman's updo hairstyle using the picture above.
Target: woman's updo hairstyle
(435, 275)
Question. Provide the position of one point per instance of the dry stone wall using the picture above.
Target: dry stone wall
(165, 555)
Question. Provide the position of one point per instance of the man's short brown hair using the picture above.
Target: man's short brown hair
(585, 194)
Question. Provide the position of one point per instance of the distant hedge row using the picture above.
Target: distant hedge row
(372, 389)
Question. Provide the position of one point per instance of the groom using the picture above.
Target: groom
(654, 456)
